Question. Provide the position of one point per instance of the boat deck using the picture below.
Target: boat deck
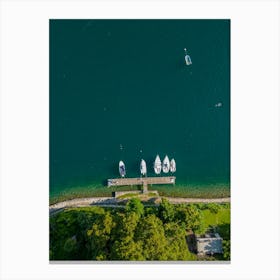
(141, 181)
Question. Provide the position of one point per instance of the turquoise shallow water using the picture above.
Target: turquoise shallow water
(120, 90)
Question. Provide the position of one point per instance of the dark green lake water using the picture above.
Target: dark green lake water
(120, 90)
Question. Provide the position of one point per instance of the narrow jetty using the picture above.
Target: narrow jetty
(141, 181)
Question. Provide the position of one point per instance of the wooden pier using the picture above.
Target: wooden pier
(141, 181)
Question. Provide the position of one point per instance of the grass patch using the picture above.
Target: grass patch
(152, 194)
(139, 195)
(219, 220)
(215, 219)
(128, 195)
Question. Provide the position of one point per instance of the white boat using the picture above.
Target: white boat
(157, 165)
(165, 165)
(143, 167)
(219, 104)
(122, 168)
(187, 58)
(172, 165)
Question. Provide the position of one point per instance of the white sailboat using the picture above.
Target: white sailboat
(166, 165)
(157, 165)
(172, 165)
(143, 167)
(122, 168)
(187, 58)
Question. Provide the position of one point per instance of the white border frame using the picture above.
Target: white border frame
(254, 142)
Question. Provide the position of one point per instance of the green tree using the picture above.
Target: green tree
(62, 226)
(213, 207)
(70, 245)
(86, 217)
(176, 248)
(126, 224)
(124, 246)
(226, 249)
(150, 232)
(135, 205)
(166, 211)
(151, 210)
(99, 237)
(190, 216)
(127, 249)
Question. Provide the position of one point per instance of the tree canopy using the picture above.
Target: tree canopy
(135, 205)
(130, 233)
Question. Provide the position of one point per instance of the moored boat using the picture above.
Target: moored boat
(122, 168)
(143, 167)
(187, 58)
(166, 165)
(172, 165)
(157, 165)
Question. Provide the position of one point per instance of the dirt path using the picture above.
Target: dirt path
(176, 200)
(112, 202)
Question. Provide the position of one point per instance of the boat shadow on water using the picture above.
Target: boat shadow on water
(104, 182)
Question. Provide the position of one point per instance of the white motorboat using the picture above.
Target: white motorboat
(165, 165)
(122, 168)
(172, 165)
(187, 58)
(143, 167)
(157, 165)
(220, 104)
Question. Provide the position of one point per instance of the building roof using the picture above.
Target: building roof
(209, 244)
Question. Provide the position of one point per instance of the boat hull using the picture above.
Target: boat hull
(188, 60)
(157, 165)
(143, 167)
(172, 166)
(122, 169)
(165, 165)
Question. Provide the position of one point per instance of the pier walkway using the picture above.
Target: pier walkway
(141, 181)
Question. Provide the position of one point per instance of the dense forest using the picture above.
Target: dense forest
(136, 232)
